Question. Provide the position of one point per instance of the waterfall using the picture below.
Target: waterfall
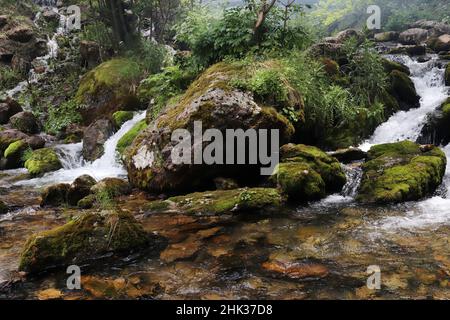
(109, 165)
(52, 52)
(428, 79)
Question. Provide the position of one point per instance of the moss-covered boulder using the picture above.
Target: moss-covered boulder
(404, 90)
(55, 195)
(108, 88)
(80, 189)
(220, 202)
(216, 103)
(129, 137)
(112, 187)
(386, 36)
(120, 117)
(13, 155)
(390, 66)
(307, 173)
(447, 75)
(84, 238)
(402, 171)
(42, 161)
(10, 136)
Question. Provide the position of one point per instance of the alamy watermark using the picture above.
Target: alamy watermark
(74, 280)
(374, 20)
(235, 146)
(374, 279)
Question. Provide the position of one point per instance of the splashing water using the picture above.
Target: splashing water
(428, 79)
(74, 165)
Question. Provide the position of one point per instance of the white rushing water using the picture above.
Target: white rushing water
(428, 78)
(109, 165)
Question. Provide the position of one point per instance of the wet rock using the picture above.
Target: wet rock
(108, 88)
(84, 238)
(348, 155)
(95, 137)
(413, 36)
(402, 171)
(90, 53)
(403, 89)
(3, 208)
(296, 270)
(220, 202)
(55, 195)
(49, 294)
(42, 161)
(434, 28)
(80, 189)
(211, 100)
(25, 122)
(8, 108)
(386, 36)
(390, 66)
(114, 187)
(435, 131)
(225, 184)
(307, 173)
(411, 50)
(120, 117)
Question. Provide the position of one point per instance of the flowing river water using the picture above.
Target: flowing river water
(232, 256)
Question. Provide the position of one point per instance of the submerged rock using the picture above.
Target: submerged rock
(402, 171)
(413, 36)
(95, 137)
(212, 100)
(220, 202)
(84, 238)
(307, 173)
(109, 88)
(42, 161)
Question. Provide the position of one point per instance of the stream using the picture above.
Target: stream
(223, 257)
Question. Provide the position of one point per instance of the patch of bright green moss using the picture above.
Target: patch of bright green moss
(42, 161)
(129, 137)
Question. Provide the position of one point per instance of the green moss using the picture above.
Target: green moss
(129, 137)
(120, 117)
(220, 202)
(86, 237)
(87, 202)
(42, 161)
(15, 149)
(403, 87)
(118, 73)
(390, 66)
(401, 171)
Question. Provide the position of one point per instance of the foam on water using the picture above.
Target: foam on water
(108, 165)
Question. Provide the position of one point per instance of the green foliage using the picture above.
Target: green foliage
(8, 77)
(149, 55)
(99, 33)
(59, 117)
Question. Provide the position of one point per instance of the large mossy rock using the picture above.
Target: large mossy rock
(10, 136)
(403, 89)
(212, 100)
(307, 173)
(42, 161)
(220, 202)
(86, 237)
(109, 88)
(402, 171)
(13, 155)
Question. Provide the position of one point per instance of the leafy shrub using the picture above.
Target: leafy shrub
(150, 56)
(59, 117)
(8, 77)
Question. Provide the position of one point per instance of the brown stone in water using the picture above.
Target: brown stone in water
(296, 270)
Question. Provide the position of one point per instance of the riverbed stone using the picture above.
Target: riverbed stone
(79, 189)
(402, 171)
(9, 136)
(220, 202)
(413, 36)
(307, 173)
(13, 155)
(42, 161)
(113, 187)
(55, 195)
(86, 237)
(212, 100)
(386, 36)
